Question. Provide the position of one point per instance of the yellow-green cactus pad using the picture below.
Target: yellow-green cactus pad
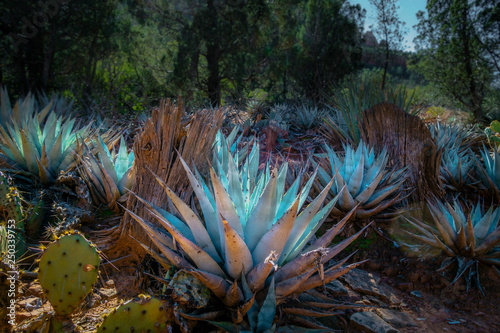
(67, 272)
(146, 315)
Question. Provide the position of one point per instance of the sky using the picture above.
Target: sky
(407, 13)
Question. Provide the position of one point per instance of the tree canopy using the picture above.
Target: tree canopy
(459, 45)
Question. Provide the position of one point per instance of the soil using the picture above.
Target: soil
(425, 295)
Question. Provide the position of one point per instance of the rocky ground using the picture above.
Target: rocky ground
(391, 292)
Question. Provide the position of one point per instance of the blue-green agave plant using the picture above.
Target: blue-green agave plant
(110, 174)
(488, 172)
(466, 239)
(370, 188)
(251, 228)
(456, 166)
(40, 143)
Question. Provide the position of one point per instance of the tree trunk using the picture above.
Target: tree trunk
(213, 55)
(156, 149)
(476, 97)
(386, 64)
(409, 143)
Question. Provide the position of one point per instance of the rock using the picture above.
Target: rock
(23, 315)
(336, 288)
(368, 283)
(368, 300)
(30, 303)
(369, 322)
(391, 295)
(405, 286)
(108, 292)
(396, 318)
(35, 289)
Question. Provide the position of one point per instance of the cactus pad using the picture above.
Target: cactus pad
(67, 272)
(187, 289)
(146, 315)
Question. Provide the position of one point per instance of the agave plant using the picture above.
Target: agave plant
(449, 135)
(466, 240)
(456, 166)
(279, 115)
(489, 173)
(110, 174)
(370, 188)
(256, 108)
(39, 142)
(306, 117)
(251, 228)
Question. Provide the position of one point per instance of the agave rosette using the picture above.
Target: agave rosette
(306, 117)
(466, 239)
(369, 186)
(449, 135)
(109, 174)
(279, 115)
(456, 165)
(489, 173)
(40, 143)
(251, 227)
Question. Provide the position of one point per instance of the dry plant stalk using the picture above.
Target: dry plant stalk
(409, 143)
(156, 149)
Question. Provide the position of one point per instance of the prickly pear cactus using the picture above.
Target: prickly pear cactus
(67, 272)
(146, 315)
(36, 213)
(11, 209)
(187, 289)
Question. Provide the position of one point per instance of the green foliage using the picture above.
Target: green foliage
(68, 270)
(49, 45)
(458, 49)
(435, 111)
(326, 47)
(493, 133)
(358, 95)
(389, 29)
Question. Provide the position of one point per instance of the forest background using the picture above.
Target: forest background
(121, 57)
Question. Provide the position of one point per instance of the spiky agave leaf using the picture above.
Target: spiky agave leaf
(39, 142)
(109, 174)
(456, 166)
(249, 223)
(489, 173)
(467, 239)
(369, 186)
(306, 117)
(453, 134)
